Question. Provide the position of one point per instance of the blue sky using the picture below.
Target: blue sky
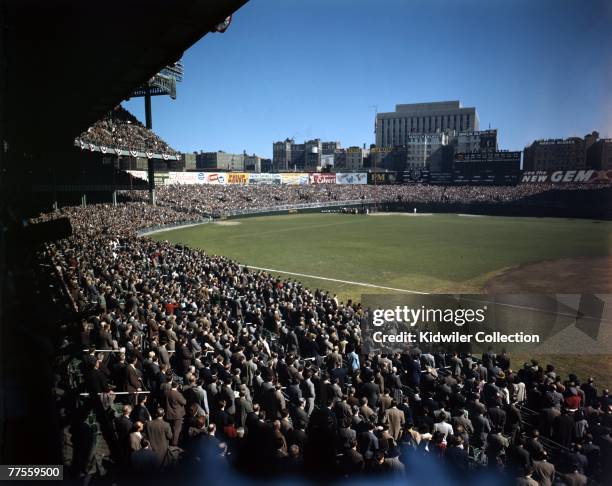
(318, 68)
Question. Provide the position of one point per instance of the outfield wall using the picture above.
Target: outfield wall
(247, 178)
(557, 203)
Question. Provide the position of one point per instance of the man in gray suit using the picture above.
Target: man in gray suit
(308, 392)
(300, 416)
(164, 356)
(394, 417)
(159, 434)
(543, 471)
(250, 369)
(175, 411)
(199, 395)
(227, 393)
(243, 407)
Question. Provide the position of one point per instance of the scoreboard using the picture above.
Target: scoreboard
(487, 168)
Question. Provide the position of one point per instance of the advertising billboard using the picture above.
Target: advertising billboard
(351, 178)
(186, 178)
(237, 178)
(265, 179)
(589, 176)
(216, 178)
(295, 178)
(316, 178)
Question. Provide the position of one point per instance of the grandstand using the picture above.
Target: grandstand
(121, 133)
(167, 308)
(132, 359)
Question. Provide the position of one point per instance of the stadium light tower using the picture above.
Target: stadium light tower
(162, 84)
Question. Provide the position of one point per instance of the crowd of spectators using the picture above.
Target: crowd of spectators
(223, 199)
(120, 129)
(268, 376)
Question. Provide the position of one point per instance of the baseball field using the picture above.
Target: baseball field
(351, 255)
(379, 253)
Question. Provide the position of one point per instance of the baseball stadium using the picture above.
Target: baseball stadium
(174, 316)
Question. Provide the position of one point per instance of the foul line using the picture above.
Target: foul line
(362, 284)
(147, 232)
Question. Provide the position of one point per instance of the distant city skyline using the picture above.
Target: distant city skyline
(322, 69)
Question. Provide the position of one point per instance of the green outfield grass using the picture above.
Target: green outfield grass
(437, 253)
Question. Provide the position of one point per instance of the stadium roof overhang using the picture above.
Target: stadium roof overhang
(68, 62)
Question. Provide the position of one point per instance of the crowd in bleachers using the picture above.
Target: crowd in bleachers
(222, 199)
(120, 129)
(268, 376)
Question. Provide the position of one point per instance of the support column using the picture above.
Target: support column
(150, 164)
(148, 116)
(84, 200)
(115, 197)
(151, 173)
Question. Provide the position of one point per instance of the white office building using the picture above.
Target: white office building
(394, 128)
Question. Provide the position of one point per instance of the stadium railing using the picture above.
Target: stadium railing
(530, 417)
